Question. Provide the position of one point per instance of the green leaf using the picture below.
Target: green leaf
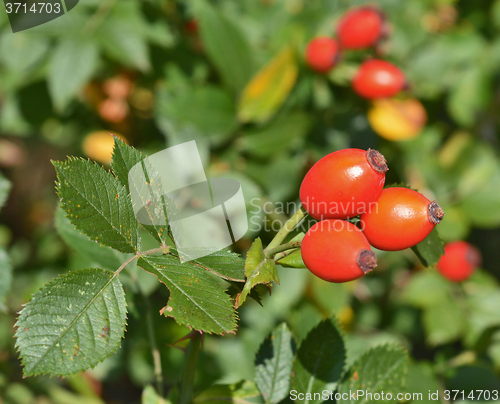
(470, 95)
(5, 274)
(223, 263)
(104, 257)
(269, 88)
(320, 361)
(72, 323)
(238, 393)
(225, 45)
(287, 131)
(206, 112)
(258, 269)
(124, 158)
(196, 300)
(293, 260)
(430, 249)
(332, 297)
(72, 65)
(125, 34)
(150, 396)
(482, 204)
(5, 187)
(444, 322)
(273, 364)
(383, 368)
(21, 52)
(97, 204)
(426, 289)
(421, 380)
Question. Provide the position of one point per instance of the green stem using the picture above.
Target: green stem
(271, 252)
(163, 250)
(287, 228)
(284, 254)
(155, 352)
(187, 378)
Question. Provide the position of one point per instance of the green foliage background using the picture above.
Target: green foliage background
(190, 84)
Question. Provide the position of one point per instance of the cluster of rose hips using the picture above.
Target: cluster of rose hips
(359, 28)
(349, 183)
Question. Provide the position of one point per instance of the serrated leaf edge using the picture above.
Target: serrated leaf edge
(170, 299)
(391, 347)
(26, 374)
(120, 186)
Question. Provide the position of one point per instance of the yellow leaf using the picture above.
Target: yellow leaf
(268, 89)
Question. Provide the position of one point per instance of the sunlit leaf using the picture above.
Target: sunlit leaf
(97, 204)
(196, 300)
(258, 269)
(383, 368)
(72, 323)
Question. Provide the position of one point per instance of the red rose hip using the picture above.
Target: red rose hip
(378, 79)
(343, 184)
(360, 28)
(337, 251)
(322, 53)
(459, 261)
(401, 219)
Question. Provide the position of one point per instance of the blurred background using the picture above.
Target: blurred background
(162, 72)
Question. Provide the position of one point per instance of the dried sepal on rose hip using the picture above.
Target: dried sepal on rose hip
(401, 218)
(322, 54)
(337, 251)
(377, 78)
(459, 261)
(343, 184)
(361, 27)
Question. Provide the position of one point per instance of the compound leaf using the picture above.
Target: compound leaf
(274, 363)
(320, 361)
(380, 368)
(258, 269)
(72, 323)
(97, 204)
(196, 300)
